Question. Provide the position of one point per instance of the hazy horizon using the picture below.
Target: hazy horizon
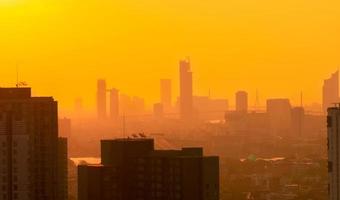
(63, 47)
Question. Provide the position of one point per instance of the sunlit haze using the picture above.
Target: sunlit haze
(62, 47)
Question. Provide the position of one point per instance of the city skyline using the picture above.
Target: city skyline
(238, 45)
(254, 103)
(169, 100)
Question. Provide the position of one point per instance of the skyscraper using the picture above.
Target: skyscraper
(114, 104)
(298, 118)
(166, 94)
(29, 146)
(101, 99)
(333, 126)
(132, 169)
(62, 188)
(186, 93)
(241, 101)
(330, 91)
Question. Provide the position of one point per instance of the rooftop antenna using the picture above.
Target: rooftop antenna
(21, 83)
(301, 99)
(17, 70)
(124, 126)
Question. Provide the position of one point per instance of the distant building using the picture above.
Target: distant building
(333, 126)
(62, 173)
(114, 104)
(101, 99)
(298, 119)
(241, 101)
(29, 146)
(64, 127)
(330, 91)
(131, 105)
(279, 116)
(158, 111)
(207, 108)
(132, 169)
(166, 96)
(186, 92)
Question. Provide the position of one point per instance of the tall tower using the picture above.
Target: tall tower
(166, 93)
(101, 99)
(241, 101)
(186, 96)
(330, 91)
(29, 146)
(333, 127)
(114, 104)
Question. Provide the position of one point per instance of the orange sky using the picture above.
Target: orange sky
(63, 46)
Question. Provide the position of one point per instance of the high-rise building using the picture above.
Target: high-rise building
(241, 101)
(330, 91)
(132, 169)
(101, 99)
(28, 146)
(298, 119)
(166, 94)
(62, 187)
(333, 126)
(114, 104)
(186, 93)
(279, 116)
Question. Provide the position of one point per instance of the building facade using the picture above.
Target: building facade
(333, 127)
(28, 146)
(132, 169)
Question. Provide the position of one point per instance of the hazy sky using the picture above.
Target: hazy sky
(62, 46)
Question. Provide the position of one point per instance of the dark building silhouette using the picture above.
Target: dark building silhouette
(330, 91)
(114, 104)
(333, 122)
(29, 146)
(64, 127)
(241, 98)
(101, 99)
(62, 189)
(186, 93)
(132, 169)
(166, 93)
